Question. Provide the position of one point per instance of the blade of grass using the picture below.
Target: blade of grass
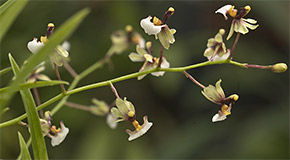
(59, 35)
(8, 13)
(5, 70)
(38, 143)
(24, 153)
(36, 84)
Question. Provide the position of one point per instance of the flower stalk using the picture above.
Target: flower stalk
(234, 45)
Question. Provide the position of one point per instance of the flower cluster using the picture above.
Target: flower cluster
(57, 135)
(60, 53)
(159, 28)
(217, 95)
(239, 24)
(149, 61)
(216, 49)
(125, 110)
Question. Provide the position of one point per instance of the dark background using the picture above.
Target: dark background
(257, 128)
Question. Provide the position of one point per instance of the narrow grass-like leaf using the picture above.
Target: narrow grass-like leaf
(36, 84)
(5, 70)
(38, 143)
(8, 13)
(59, 35)
(24, 152)
(4, 110)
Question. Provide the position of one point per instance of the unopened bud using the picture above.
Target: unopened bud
(131, 113)
(128, 28)
(171, 9)
(148, 45)
(279, 68)
(222, 32)
(50, 25)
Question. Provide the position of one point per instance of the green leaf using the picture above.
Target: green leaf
(38, 143)
(8, 13)
(59, 35)
(5, 70)
(36, 84)
(24, 153)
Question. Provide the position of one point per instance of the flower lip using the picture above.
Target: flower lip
(224, 10)
(149, 27)
(34, 45)
(60, 136)
(145, 127)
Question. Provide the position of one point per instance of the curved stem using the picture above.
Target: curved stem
(71, 91)
(193, 80)
(234, 45)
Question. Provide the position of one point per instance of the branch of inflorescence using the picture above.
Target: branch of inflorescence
(109, 82)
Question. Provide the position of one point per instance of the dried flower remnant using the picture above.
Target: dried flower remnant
(125, 111)
(217, 95)
(159, 28)
(239, 24)
(121, 39)
(101, 108)
(216, 49)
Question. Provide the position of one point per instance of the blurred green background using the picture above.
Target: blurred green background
(257, 128)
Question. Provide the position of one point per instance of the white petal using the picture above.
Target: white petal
(218, 58)
(145, 127)
(141, 43)
(223, 10)
(164, 64)
(111, 121)
(42, 77)
(250, 20)
(34, 45)
(66, 45)
(149, 27)
(218, 117)
(56, 140)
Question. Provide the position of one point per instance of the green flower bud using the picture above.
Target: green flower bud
(279, 68)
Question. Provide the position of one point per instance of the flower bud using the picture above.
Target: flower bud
(129, 28)
(279, 67)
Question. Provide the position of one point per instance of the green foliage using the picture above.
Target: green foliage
(5, 70)
(36, 84)
(24, 152)
(8, 13)
(60, 35)
(38, 143)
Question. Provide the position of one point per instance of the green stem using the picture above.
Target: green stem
(71, 91)
(82, 75)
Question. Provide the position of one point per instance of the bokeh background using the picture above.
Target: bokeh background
(257, 128)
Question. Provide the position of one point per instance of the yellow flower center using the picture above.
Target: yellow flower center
(43, 39)
(157, 21)
(225, 109)
(54, 130)
(136, 125)
(232, 12)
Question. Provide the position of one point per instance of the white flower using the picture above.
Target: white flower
(111, 121)
(219, 117)
(164, 64)
(137, 133)
(59, 136)
(224, 10)
(149, 27)
(34, 45)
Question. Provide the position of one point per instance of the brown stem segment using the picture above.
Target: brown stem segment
(114, 90)
(77, 106)
(234, 46)
(161, 56)
(193, 80)
(58, 76)
(258, 66)
(37, 100)
(70, 69)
